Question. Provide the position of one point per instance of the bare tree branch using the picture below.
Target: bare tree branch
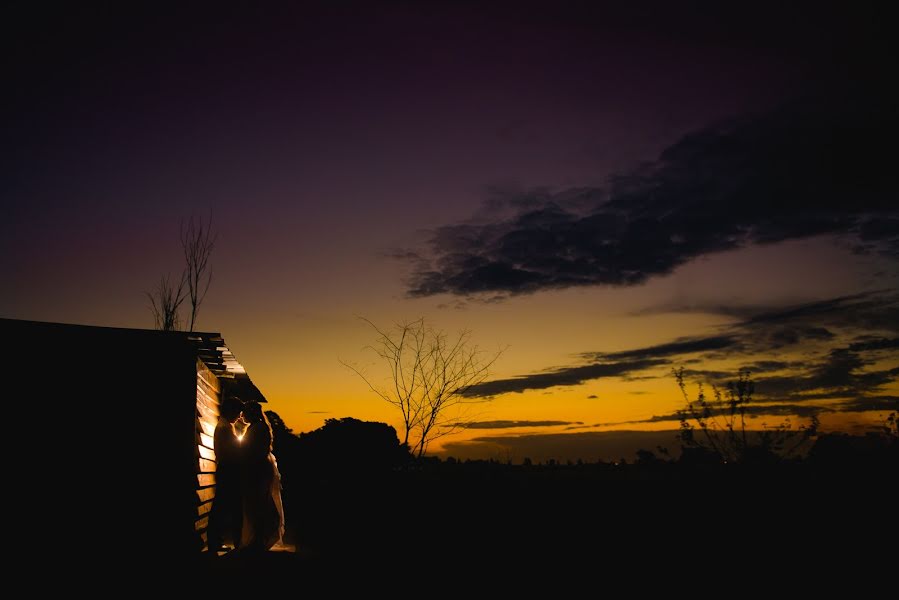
(429, 375)
(165, 301)
(197, 243)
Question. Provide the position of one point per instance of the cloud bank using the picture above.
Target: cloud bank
(810, 169)
(854, 366)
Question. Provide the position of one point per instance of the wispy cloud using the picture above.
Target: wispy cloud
(845, 368)
(516, 424)
(752, 411)
(564, 376)
(876, 310)
(675, 348)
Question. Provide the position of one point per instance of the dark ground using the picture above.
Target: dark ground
(477, 519)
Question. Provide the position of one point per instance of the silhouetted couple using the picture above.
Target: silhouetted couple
(247, 509)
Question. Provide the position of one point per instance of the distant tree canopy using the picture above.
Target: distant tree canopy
(277, 422)
(351, 442)
(341, 445)
(854, 451)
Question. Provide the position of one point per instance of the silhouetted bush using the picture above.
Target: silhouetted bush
(716, 426)
(841, 449)
(353, 495)
(349, 444)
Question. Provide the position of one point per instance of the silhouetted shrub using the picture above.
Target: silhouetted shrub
(717, 426)
(349, 445)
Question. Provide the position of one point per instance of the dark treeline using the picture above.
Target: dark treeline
(354, 495)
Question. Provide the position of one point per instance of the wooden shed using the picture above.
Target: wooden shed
(118, 453)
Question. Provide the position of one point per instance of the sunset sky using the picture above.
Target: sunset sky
(605, 193)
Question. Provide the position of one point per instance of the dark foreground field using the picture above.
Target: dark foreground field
(489, 518)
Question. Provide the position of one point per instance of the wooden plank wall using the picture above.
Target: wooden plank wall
(208, 399)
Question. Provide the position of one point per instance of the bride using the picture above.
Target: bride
(263, 519)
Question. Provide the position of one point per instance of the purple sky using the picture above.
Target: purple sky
(324, 137)
(287, 121)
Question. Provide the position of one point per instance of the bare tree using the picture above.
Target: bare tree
(165, 301)
(429, 375)
(197, 242)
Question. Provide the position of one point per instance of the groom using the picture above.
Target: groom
(226, 516)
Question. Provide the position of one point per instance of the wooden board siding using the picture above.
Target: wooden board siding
(206, 400)
(207, 440)
(206, 452)
(208, 390)
(207, 412)
(207, 377)
(206, 494)
(207, 428)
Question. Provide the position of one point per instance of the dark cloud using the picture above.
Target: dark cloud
(762, 366)
(789, 336)
(841, 373)
(676, 348)
(577, 427)
(513, 424)
(879, 235)
(862, 404)
(871, 403)
(708, 375)
(592, 397)
(869, 303)
(759, 329)
(564, 376)
(752, 411)
(875, 344)
(811, 169)
(737, 311)
(818, 310)
(827, 373)
(865, 316)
